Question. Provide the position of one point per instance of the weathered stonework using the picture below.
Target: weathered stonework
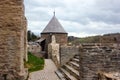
(91, 63)
(61, 38)
(53, 51)
(67, 52)
(109, 76)
(34, 48)
(13, 40)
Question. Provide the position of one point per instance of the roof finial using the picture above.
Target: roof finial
(54, 12)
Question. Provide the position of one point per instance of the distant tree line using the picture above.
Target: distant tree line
(31, 36)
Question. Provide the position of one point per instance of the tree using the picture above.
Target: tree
(34, 37)
(31, 36)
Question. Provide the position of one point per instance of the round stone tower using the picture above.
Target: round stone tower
(53, 28)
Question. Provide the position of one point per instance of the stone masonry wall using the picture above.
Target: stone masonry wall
(91, 63)
(60, 39)
(53, 51)
(12, 40)
(67, 52)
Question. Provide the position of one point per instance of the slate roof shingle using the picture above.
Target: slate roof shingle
(54, 27)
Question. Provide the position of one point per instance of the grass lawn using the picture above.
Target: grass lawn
(34, 63)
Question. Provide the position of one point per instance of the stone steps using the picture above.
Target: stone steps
(75, 60)
(74, 65)
(69, 71)
(67, 74)
(60, 75)
(76, 56)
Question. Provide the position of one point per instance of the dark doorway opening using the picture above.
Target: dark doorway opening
(43, 48)
(43, 45)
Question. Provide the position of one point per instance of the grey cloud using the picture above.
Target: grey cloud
(38, 16)
(45, 3)
(112, 5)
(105, 17)
(106, 11)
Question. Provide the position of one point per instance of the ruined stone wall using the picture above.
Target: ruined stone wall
(53, 53)
(110, 38)
(91, 63)
(35, 49)
(12, 40)
(67, 52)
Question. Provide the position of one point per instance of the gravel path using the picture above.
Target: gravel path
(48, 73)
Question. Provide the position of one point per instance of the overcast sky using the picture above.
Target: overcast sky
(78, 17)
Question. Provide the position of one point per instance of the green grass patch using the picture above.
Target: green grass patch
(34, 63)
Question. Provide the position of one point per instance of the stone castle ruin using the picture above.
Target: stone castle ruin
(13, 40)
(92, 61)
(83, 62)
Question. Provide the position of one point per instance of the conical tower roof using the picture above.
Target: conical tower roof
(54, 26)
